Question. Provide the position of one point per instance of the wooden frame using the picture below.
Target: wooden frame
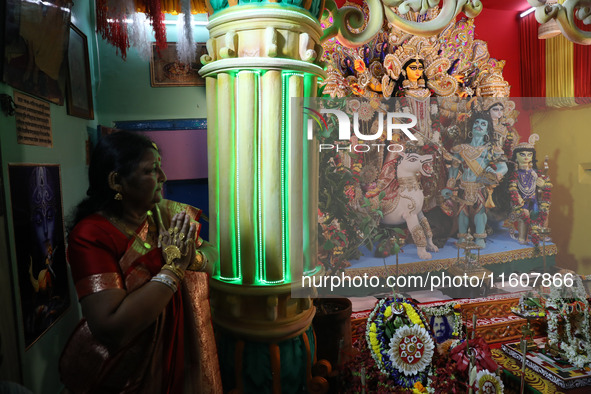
(166, 70)
(79, 86)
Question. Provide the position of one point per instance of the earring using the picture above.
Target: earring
(470, 135)
(118, 196)
(486, 138)
(403, 72)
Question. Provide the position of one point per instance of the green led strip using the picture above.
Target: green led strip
(284, 78)
(237, 199)
(308, 86)
(287, 266)
(259, 224)
(233, 219)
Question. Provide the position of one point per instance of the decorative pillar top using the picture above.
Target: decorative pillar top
(565, 15)
(348, 19)
(314, 7)
(263, 36)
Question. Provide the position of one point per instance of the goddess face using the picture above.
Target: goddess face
(480, 128)
(496, 112)
(524, 159)
(414, 71)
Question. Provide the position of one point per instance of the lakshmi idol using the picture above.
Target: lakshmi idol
(529, 192)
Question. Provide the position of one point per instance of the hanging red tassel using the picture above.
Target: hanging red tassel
(156, 16)
(114, 32)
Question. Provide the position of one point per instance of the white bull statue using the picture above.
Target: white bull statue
(406, 202)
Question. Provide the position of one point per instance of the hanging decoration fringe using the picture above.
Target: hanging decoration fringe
(139, 35)
(156, 16)
(186, 46)
(110, 17)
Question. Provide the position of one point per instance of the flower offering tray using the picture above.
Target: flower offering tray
(562, 374)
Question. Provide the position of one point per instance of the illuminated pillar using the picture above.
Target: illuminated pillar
(263, 172)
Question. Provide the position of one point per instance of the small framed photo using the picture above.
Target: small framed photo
(79, 86)
(167, 70)
(445, 321)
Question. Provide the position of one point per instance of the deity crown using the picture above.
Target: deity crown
(531, 142)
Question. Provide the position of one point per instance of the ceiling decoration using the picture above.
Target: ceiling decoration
(346, 20)
(566, 14)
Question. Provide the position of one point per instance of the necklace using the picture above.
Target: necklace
(527, 182)
(147, 235)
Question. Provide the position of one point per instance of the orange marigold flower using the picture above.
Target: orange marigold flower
(359, 66)
(356, 89)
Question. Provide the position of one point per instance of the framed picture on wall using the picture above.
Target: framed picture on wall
(36, 203)
(79, 86)
(167, 70)
(35, 45)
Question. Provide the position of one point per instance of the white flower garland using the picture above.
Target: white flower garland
(488, 383)
(411, 349)
(577, 351)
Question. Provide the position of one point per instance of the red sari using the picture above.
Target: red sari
(177, 353)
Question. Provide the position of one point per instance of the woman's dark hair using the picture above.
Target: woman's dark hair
(120, 152)
(398, 86)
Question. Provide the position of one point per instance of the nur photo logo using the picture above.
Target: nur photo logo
(388, 122)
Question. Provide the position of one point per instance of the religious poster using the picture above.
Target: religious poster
(35, 191)
(33, 121)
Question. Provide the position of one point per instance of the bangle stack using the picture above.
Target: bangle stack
(166, 280)
(175, 269)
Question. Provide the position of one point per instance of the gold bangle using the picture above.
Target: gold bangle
(198, 262)
(175, 270)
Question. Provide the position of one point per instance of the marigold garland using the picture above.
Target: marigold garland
(399, 343)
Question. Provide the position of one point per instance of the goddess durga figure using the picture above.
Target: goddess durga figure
(428, 77)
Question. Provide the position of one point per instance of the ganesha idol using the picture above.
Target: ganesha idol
(403, 197)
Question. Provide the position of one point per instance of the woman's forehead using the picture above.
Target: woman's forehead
(151, 155)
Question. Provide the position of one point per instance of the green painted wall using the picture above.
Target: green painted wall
(122, 91)
(38, 364)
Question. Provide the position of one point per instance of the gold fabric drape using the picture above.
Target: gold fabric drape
(560, 86)
(173, 6)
